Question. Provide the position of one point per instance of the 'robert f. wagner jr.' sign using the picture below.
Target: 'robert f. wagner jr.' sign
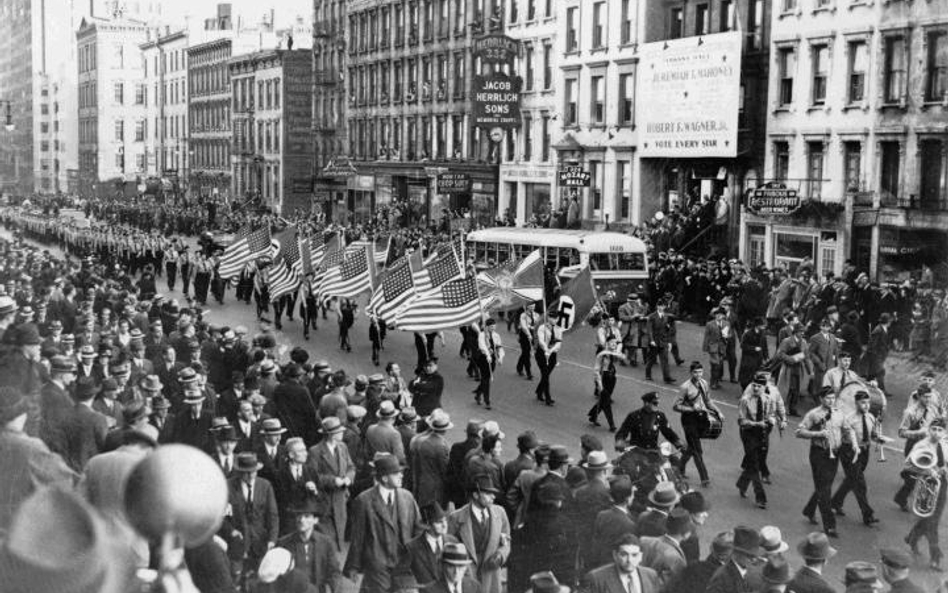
(689, 95)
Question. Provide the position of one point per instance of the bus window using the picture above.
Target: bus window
(503, 253)
(631, 261)
(551, 255)
(617, 261)
(481, 252)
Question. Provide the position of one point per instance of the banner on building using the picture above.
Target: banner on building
(454, 183)
(689, 94)
(497, 101)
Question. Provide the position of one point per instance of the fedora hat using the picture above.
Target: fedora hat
(747, 540)
(134, 411)
(7, 305)
(408, 414)
(432, 512)
(597, 460)
(816, 546)
(545, 582)
(160, 402)
(293, 370)
(86, 388)
(267, 366)
(772, 541)
(193, 396)
(439, 421)
(187, 375)
(57, 543)
(527, 440)
(777, 572)
(312, 505)
(332, 424)
(63, 364)
(664, 495)
(227, 433)
(150, 383)
(694, 502)
(271, 426)
(386, 464)
(387, 409)
(247, 462)
(455, 553)
(274, 564)
(376, 379)
(356, 412)
(559, 454)
(28, 335)
(483, 483)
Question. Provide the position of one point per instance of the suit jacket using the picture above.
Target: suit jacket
(460, 525)
(513, 468)
(85, 436)
(56, 409)
(714, 340)
(659, 330)
(245, 441)
(114, 414)
(468, 585)
(291, 403)
(192, 431)
(606, 579)
(329, 467)
(322, 570)
(421, 560)
(291, 492)
(694, 578)
(808, 581)
(384, 438)
(728, 579)
(429, 467)
(823, 352)
(378, 537)
(260, 524)
(905, 586)
(663, 555)
(878, 349)
(587, 503)
(271, 465)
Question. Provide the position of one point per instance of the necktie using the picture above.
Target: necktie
(760, 408)
(865, 429)
(249, 495)
(227, 465)
(438, 548)
(629, 584)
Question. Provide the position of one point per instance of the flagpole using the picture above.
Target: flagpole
(480, 306)
(543, 267)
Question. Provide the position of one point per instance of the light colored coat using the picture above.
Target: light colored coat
(498, 541)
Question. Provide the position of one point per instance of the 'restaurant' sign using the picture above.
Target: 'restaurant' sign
(497, 101)
(496, 48)
(454, 183)
(773, 198)
(574, 177)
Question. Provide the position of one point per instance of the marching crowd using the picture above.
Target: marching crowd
(333, 476)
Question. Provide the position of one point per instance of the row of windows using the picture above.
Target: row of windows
(598, 32)
(88, 94)
(379, 28)
(423, 137)
(398, 80)
(263, 178)
(595, 112)
(209, 117)
(88, 131)
(171, 61)
(895, 61)
(683, 21)
(171, 127)
(530, 69)
(530, 11)
(210, 80)
(118, 94)
(210, 154)
(86, 57)
(264, 137)
(526, 137)
(267, 94)
(932, 160)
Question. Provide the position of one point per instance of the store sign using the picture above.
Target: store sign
(496, 48)
(773, 198)
(454, 183)
(340, 166)
(574, 177)
(497, 101)
(690, 94)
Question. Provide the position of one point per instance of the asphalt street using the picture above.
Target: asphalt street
(516, 409)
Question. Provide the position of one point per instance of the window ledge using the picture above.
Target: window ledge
(858, 105)
(824, 108)
(796, 11)
(856, 3)
(570, 53)
(629, 45)
(901, 104)
(830, 9)
(601, 49)
(928, 104)
(783, 108)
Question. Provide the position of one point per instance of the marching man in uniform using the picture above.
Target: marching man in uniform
(695, 405)
(935, 448)
(525, 334)
(822, 426)
(860, 430)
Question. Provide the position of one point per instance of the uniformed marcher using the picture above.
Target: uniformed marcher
(860, 432)
(548, 343)
(487, 355)
(695, 406)
(604, 377)
(822, 427)
(642, 427)
(756, 417)
(526, 334)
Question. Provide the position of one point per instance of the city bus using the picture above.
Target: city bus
(618, 262)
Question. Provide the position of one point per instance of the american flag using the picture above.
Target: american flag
(396, 289)
(381, 245)
(452, 305)
(288, 265)
(248, 245)
(436, 272)
(351, 277)
(456, 247)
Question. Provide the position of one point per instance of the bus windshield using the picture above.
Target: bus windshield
(614, 262)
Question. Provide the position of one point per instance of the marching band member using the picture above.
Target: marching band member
(757, 414)
(927, 527)
(915, 422)
(822, 426)
(860, 430)
(694, 404)
(840, 375)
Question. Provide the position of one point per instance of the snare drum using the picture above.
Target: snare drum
(712, 427)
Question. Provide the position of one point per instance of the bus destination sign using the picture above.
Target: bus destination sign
(773, 198)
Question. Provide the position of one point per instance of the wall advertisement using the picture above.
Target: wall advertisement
(689, 95)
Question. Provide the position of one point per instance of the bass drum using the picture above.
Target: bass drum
(711, 427)
(846, 402)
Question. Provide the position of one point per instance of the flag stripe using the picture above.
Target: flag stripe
(247, 246)
(452, 305)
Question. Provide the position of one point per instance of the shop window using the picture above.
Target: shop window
(936, 87)
(791, 249)
(889, 154)
(756, 242)
(895, 66)
(827, 252)
(820, 68)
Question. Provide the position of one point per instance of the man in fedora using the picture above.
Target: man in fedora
(225, 443)
(661, 500)
(270, 449)
(590, 499)
(664, 553)
(732, 577)
(384, 519)
(21, 367)
(695, 577)
(291, 403)
(314, 553)
(485, 531)
(193, 424)
(428, 455)
(625, 574)
(86, 429)
(335, 472)
(423, 554)
(815, 550)
(382, 437)
(56, 403)
(253, 509)
(454, 572)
